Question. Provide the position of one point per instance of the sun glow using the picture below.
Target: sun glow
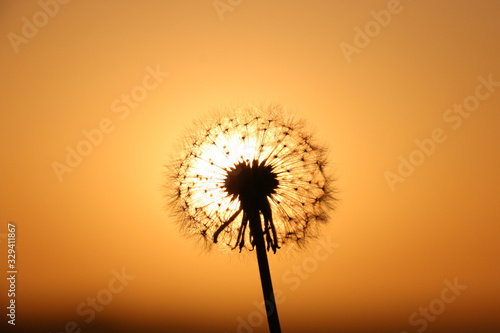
(214, 161)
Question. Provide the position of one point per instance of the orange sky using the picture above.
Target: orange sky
(140, 72)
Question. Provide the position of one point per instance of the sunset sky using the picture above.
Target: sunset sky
(405, 94)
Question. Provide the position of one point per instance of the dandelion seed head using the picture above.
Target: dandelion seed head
(250, 152)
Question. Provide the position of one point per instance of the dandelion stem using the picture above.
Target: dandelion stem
(265, 274)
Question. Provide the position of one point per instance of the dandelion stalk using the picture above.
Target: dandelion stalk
(251, 179)
(265, 275)
(252, 183)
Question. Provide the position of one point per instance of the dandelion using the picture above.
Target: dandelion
(251, 179)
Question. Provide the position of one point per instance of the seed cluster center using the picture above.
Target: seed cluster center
(247, 180)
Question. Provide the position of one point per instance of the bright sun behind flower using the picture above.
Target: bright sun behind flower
(250, 160)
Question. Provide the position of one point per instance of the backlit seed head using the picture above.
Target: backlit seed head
(250, 159)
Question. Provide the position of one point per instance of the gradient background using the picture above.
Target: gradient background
(396, 248)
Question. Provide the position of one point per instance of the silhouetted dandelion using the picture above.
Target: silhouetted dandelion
(251, 178)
